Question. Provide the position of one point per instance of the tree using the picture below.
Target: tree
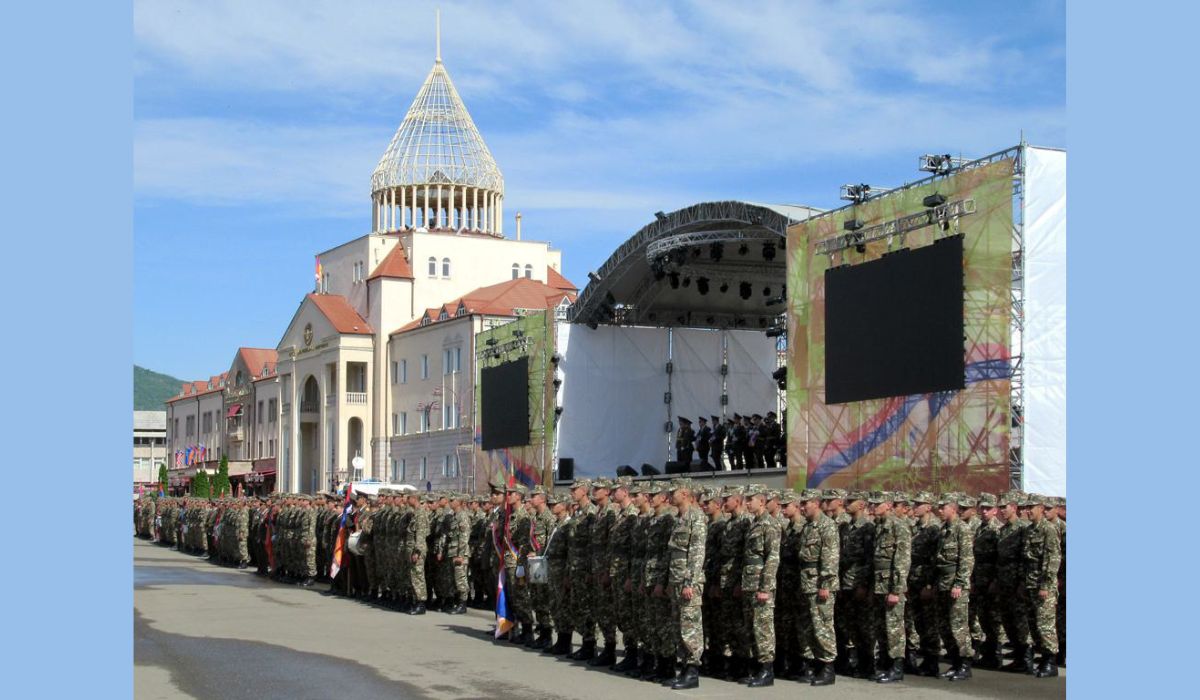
(220, 480)
(200, 485)
(162, 477)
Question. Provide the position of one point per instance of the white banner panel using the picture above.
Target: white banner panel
(613, 410)
(696, 382)
(751, 362)
(1045, 340)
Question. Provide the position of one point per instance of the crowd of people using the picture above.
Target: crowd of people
(740, 582)
(748, 442)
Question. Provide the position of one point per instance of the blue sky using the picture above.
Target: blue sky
(257, 125)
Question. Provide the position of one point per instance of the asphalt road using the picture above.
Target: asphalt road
(204, 631)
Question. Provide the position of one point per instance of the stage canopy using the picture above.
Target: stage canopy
(710, 265)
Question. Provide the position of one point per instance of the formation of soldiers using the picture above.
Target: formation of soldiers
(744, 583)
(749, 442)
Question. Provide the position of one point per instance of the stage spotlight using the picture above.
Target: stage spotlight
(776, 301)
(491, 341)
(724, 287)
(555, 358)
(679, 256)
(710, 320)
(558, 410)
(593, 276)
(659, 215)
(780, 373)
(592, 324)
(766, 291)
(756, 219)
(674, 279)
(695, 252)
(768, 251)
(776, 332)
(861, 247)
(743, 249)
(852, 224)
(702, 285)
(687, 282)
(610, 299)
(716, 251)
(934, 200)
(937, 163)
(744, 290)
(557, 382)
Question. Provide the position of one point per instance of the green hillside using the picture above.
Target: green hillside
(151, 389)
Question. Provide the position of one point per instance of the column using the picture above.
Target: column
(450, 213)
(374, 213)
(425, 216)
(500, 214)
(413, 205)
(475, 208)
(439, 210)
(403, 212)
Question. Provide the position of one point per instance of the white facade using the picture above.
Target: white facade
(149, 445)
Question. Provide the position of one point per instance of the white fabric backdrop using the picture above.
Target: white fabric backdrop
(751, 362)
(696, 382)
(612, 393)
(1045, 351)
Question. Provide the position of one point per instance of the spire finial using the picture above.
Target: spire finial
(439, 35)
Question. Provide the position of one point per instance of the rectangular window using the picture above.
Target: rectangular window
(403, 371)
(259, 454)
(423, 425)
(424, 469)
(424, 366)
(446, 465)
(403, 423)
(271, 446)
(395, 475)
(447, 362)
(457, 360)
(260, 412)
(395, 371)
(403, 470)
(272, 409)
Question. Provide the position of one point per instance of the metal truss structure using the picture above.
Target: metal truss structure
(944, 215)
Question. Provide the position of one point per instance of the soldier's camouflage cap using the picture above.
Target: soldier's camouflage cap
(856, 496)
(635, 488)
(949, 497)
(384, 492)
(519, 488)
(539, 490)
(1028, 499)
(923, 497)
(625, 481)
(786, 496)
(429, 497)
(705, 494)
(756, 490)
(965, 501)
(677, 484)
(810, 495)
(581, 484)
(602, 484)
(901, 497)
(830, 494)
(733, 490)
(987, 500)
(879, 497)
(652, 487)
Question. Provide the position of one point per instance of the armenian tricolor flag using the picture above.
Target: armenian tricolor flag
(339, 547)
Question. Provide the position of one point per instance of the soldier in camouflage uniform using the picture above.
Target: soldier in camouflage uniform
(541, 524)
(787, 597)
(1056, 513)
(1009, 585)
(415, 550)
(922, 636)
(733, 621)
(983, 604)
(603, 592)
(620, 547)
(558, 563)
(660, 639)
(1041, 553)
(579, 550)
(457, 552)
(715, 648)
(642, 494)
(855, 609)
(685, 580)
(890, 561)
(953, 565)
(760, 565)
(819, 568)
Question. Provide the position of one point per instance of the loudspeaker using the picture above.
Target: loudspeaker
(650, 470)
(626, 470)
(701, 467)
(566, 469)
(674, 467)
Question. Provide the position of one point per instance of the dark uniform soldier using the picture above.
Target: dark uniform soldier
(621, 547)
(715, 649)
(685, 439)
(579, 551)
(603, 591)
(559, 565)
(717, 442)
(733, 622)
(703, 440)
(737, 442)
(771, 435)
(659, 635)
(752, 448)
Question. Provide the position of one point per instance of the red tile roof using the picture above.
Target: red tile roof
(556, 280)
(502, 299)
(395, 265)
(256, 358)
(341, 315)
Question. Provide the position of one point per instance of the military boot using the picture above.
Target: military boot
(688, 680)
(955, 661)
(1047, 668)
(527, 637)
(607, 656)
(586, 651)
(963, 671)
(543, 639)
(1022, 660)
(865, 666)
(824, 675)
(987, 656)
(765, 677)
(417, 608)
(894, 674)
(751, 669)
(1060, 659)
(676, 671)
(910, 661)
(646, 668)
(630, 660)
(562, 646)
(929, 666)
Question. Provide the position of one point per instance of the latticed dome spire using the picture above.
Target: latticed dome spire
(437, 143)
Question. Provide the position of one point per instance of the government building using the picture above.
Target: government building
(373, 376)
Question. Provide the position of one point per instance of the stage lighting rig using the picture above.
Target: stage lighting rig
(768, 251)
(660, 216)
(743, 249)
(745, 290)
(779, 374)
(518, 333)
(702, 285)
(491, 342)
(776, 301)
(724, 287)
(593, 276)
(852, 224)
(658, 267)
(716, 251)
(939, 163)
(555, 358)
(934, 200)
(673, 277)
(856, 193)
(687, 282)
(776, 331)
(766, 291)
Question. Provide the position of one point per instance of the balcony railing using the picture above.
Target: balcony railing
(356, 398)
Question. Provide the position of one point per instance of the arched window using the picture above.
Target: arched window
(516, 270)
(446, 267)
(529, 272)
(433, 267)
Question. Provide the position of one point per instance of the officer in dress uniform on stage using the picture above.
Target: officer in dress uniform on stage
(685, 440)
(738, 443)
(703, 440)
(719, 433)
(770, 434)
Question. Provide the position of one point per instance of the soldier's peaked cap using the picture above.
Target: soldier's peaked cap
(810, 495)
(581, 484)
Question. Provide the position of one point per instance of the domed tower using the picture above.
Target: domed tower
(437, 173)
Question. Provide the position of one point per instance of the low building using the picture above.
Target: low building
(149, 446)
